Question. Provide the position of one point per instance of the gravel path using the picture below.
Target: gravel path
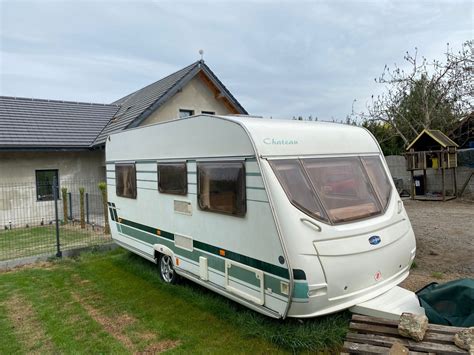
(445, 241)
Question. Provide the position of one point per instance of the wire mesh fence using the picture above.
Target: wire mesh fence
(29, 226)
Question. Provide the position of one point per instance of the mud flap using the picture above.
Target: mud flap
(390, 305)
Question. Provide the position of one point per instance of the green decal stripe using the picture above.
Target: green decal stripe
(253, 174)
(258, 264)
(148, 229)
(255, 263)
(300, 290)
(213, 262)
(114, 212)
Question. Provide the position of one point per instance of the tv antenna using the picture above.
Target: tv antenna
(201, 53)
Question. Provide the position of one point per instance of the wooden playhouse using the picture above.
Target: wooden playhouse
(432, 150)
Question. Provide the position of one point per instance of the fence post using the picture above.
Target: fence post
(87, 207)
(56, 214)
(70, 205)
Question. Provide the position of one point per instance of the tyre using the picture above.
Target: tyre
(167, 273)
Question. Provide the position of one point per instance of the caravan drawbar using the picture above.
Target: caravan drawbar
(289, 218)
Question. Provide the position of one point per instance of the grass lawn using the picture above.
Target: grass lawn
(115, 303)
(23, 242)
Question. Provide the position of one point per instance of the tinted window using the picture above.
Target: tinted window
(297, 187)
(379, 178)
(44, 184)
(126, 180)
(221, 187)
(343, 187)
(173, 178)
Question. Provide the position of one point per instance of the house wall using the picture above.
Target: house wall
(196, 95)
(18, 199)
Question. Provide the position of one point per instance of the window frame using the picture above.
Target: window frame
(135, 192)
(382, 208)
(243, 188)
(208, 112)
(52, 186)
(185, 110)
(160, 189)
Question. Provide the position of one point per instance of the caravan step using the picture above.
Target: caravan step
(390, 305)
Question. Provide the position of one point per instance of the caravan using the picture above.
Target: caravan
(290, 218)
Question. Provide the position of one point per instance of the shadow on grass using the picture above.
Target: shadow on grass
(317, 334)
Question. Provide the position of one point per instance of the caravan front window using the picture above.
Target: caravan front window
(343, 187)
(335, 189)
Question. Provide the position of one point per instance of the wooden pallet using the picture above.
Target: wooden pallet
(370, 335)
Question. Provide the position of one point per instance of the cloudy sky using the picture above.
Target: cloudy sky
(278, 58)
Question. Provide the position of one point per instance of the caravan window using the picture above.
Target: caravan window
(335, 189)
(221, 187)
(379, 179)
(173, 178)
(126, 180)
(297, 187)
(343, 187)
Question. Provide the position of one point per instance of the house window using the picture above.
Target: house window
(221, 187)
(208, 112)
(126, 180)
(173, 178)
(44, 184)
(185, 113)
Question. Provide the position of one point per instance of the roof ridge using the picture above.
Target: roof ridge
(59, 101)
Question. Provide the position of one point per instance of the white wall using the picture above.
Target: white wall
(18, 199)
(196, 96)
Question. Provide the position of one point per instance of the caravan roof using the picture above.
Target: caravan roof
(275, 137)
(209, 135)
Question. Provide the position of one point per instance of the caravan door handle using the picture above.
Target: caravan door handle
(314, 225)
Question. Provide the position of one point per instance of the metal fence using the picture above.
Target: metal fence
(42, 218)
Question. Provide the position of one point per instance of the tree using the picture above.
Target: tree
(430, 95)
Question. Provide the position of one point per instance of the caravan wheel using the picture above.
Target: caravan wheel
(167, 272)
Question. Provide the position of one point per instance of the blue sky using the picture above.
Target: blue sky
(279, 59)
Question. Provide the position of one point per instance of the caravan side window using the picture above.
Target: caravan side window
(126, 180)
(173, 178)
(221, 187)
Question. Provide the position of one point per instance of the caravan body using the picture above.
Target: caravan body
(289, 218)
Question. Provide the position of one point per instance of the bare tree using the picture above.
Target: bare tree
(430, 94)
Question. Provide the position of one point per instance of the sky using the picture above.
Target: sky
(279, 59)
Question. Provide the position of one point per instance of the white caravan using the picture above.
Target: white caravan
(290, 218)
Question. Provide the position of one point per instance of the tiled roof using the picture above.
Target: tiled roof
(138, 105)
(133, 105)
(36, 123)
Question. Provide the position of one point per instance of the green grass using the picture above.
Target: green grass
(437, 275)
(67, 297)
(414, 265)
(24, 242)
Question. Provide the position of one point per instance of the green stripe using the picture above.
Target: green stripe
(243, 259)
(300, 290)
(255, 188)
(253, 174)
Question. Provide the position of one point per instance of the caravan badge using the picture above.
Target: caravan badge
(374, 240)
